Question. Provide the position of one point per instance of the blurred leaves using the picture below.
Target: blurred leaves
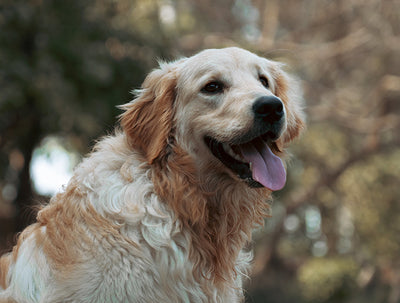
(372, 194)
(326, 278)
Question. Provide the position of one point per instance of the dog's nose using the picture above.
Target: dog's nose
(268, 108)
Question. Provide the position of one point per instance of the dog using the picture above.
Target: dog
(162, 210)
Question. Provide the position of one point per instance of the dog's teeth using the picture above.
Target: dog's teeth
(228, 150)
(232, 153)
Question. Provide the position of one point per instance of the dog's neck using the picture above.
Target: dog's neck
(213, 209)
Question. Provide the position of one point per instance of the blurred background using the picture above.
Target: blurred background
(334, 234)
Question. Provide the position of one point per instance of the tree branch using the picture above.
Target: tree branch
(300, 199)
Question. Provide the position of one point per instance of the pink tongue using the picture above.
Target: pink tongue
(267, 168)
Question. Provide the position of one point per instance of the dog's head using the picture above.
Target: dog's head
(228, 108)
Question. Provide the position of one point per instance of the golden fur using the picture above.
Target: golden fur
(151, 206)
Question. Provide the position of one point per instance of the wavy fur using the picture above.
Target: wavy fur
(151, 215)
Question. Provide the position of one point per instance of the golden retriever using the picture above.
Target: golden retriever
(161, 211)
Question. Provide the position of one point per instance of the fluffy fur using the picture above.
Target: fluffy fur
(151, 215)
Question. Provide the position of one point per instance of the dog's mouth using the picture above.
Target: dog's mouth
(252, 161)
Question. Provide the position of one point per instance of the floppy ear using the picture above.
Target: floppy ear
(148, 120)
(289, 91)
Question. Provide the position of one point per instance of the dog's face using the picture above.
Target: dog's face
(228, 108)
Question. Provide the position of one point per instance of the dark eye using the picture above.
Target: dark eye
(214, 87)
(264, 81)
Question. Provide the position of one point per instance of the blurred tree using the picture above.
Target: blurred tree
(346, 53)
(61, 63)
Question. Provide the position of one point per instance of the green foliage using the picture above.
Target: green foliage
(327, 278)
(371, 191)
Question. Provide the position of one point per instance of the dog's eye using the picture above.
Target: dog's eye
(264, 81)
(214, 87)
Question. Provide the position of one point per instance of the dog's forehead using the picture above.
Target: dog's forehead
(232, 56)
(220, 61)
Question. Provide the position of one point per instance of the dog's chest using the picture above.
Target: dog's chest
(160, 272)
(148, 261)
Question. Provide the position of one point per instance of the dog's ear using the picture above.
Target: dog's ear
(289, 91)
(148, 119)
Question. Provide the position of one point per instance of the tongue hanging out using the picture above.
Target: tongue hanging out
(267, 168)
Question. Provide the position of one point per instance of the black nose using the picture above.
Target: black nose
(268, 108)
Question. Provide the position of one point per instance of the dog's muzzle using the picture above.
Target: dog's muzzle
(251, 156)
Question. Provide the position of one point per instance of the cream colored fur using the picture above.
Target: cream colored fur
(151, 215)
